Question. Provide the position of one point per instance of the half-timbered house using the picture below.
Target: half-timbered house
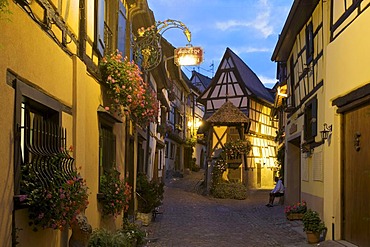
(177, 93)
(301, 75)
(322, 56)
(236, 83)
(199, 83)
(53, 79)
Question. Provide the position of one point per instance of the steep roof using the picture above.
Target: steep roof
(250, 79)
(228, 113)
(205, 80)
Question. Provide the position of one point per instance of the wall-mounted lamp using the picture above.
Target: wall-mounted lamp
(188, 55)
(326, 132)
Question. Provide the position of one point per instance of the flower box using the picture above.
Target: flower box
(295, 216)
(296, 211)
(234, 161)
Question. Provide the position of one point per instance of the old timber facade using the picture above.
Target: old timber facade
(236, 83)
(50, 71)
(322, 56)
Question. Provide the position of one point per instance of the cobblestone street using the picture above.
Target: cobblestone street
(190, 219)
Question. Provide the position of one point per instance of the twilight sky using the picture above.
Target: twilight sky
(248, 27)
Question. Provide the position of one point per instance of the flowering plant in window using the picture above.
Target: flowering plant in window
(127, 88)
(235, 148)
(57, 204)
(116, 193)
(298, 208)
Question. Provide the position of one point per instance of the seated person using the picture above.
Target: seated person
(278, 191)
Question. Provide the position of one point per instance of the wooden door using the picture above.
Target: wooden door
(259, 175)
(356, 176)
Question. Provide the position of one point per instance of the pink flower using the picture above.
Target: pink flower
(22, 198)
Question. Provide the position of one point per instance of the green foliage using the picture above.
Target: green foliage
(133, 232)
(116, 193)
(56, 205)
(218, 169)
(104, 238)
(237, 147)
(150, 193)
(280, 156)
(312, 222)
(193, 165)
(229, 190)
(191, 142)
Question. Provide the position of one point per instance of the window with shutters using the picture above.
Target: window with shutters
(121, 35)
(292, 83)
(310, 120)
(109, 36)
(100, 26)
(309, 43)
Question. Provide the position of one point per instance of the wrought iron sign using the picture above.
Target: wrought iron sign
(147, 46)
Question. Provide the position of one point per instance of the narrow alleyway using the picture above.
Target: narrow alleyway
(190, 219)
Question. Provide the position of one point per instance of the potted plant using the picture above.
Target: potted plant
(133, 232)
(313, 226)
(149, 197)
(296, 211)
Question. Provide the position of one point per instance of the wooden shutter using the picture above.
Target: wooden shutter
(314, 118)
(121, 28)
(100, 10)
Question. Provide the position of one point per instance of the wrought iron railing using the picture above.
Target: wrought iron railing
(45, 152)
(108, 39)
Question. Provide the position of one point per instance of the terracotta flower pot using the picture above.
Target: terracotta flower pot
(313, 237)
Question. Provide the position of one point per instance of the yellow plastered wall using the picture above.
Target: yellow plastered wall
(6, 153)
(347, 69)
(31, 54)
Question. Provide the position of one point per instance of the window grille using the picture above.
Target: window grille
(44, 150)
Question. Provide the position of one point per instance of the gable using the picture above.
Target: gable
(234, 81)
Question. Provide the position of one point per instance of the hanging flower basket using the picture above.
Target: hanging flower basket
(128, 90)
(233, 151)
(236, 148)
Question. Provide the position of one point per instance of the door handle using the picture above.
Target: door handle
(357, 141)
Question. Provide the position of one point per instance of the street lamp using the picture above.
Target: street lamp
(148, 50)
